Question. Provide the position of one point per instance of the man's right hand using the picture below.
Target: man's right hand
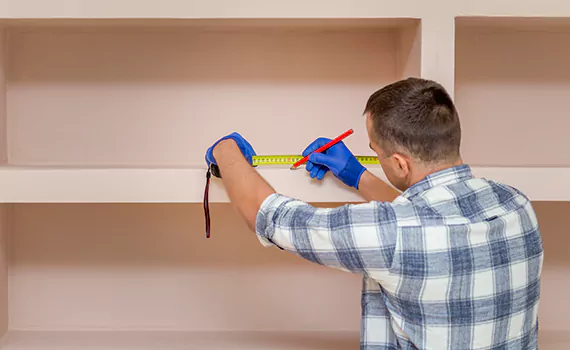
(244, 146)
(338, 159)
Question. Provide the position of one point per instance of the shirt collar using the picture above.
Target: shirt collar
(443, 177)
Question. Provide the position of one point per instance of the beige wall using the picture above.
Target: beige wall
(137, 98)
(512, 86)
(140, 267)
(554, 221)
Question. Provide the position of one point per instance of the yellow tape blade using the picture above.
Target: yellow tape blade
(291, 159)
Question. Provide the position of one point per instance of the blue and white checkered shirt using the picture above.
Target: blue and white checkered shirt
(452, 263)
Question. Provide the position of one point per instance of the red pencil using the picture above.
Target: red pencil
(323, 148)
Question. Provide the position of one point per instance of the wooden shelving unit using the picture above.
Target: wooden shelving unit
(107, 107)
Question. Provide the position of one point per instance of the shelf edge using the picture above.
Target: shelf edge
(60, 185)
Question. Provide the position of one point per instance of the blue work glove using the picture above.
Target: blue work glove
(337, 159)
(244, 146)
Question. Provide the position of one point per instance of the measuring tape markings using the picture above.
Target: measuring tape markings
(291, 159)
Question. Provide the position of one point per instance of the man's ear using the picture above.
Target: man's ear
(402, 165)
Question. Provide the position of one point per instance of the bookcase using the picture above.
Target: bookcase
(107, 108)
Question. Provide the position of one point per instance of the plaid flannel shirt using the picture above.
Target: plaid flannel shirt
(453, 263)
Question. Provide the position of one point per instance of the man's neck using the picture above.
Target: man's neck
(422, 170)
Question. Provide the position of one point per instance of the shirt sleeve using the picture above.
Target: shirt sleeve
(359, 238)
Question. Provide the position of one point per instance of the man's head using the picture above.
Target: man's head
(414, 128)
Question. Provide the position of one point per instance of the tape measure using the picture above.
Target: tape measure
(291, 159)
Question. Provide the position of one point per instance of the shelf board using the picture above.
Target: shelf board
(152, 185)
(255, 9)
(103, 340)
(183, 185)
(512, 8)
(88, 9)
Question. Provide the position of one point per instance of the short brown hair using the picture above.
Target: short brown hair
(416, 116)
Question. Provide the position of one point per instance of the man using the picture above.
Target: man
(453, 262)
